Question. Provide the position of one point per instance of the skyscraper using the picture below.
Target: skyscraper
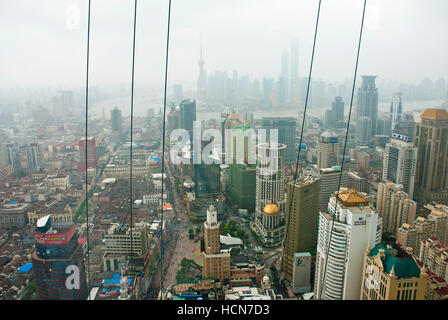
(368, 102)
(363, 135)
(286, 133)
(13, 157)
(270, 190)
(395, 206)
(91, 154)
(242, 186)
(348, 228)
(302, 218)
(431, 140)
(329, 182)
(57, 262)
(334, 118)
(115, 119)
(3, 156)
(329, 149)
(396, 109)
(34, 157)
(399, 162)
(187, 110)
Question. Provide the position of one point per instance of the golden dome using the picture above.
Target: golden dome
(271, 209)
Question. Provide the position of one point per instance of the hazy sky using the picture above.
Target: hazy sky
(43, 42)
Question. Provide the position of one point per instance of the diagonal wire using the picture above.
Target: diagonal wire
(132, 127)
(303, 125)
(345, 144)
(163, 141)
(86, 149)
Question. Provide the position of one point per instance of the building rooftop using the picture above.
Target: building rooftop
(435, 114)
(396, 260)
(351, 198)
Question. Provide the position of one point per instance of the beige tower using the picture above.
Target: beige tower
(431, 140)
(329, 149)
(211, 232)
(394, 206)
(216, 261)
(303, 221)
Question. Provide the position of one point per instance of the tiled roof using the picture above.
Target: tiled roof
(403, 267)
(435, 114)
(351, 198)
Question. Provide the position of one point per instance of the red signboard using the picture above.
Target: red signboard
(55, 238)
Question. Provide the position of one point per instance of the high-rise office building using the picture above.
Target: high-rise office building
(216, 263)
(270, 190)
(395, 206)
(363, 134)
(242, 186)
(384, 126)
(3, 156)
(329, 149)
(13, 157)
(302, 218)
(119, 238)
(34, 157)
(329, 183)
(346, 230)
(431, 140)
(358, 181)
(91, 154)
(396, 109)
(368, 102)
(187, 111)
(57, 262)
(115, 119)
(400, 162)
(334, 118)
(390, 273)
(286, 134)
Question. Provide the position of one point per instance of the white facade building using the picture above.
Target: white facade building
(346, 230)
(399, 163)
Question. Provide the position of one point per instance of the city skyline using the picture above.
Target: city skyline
(65, 23)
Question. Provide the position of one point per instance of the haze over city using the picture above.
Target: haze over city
(278, 158)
